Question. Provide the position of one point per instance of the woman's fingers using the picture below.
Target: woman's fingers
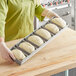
(10, 60)
(7, 58)
(11, 55)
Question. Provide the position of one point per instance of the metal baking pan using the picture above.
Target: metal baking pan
(37, 48)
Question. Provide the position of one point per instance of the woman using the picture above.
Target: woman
(16, 21)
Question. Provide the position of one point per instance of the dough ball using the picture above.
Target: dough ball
(59, 21)
(52, 27)
(36, 40)
(27, 46)
(18, 54)
(44, 33)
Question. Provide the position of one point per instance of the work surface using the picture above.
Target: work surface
(57, 56)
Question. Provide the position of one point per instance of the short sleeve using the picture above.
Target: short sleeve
(38, 11)
(3, 14)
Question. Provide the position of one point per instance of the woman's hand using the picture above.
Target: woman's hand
(5, 52)
(49, 14)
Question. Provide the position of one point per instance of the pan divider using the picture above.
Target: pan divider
(32, 43)
(41, 37)
(24, 51)
(49, 31)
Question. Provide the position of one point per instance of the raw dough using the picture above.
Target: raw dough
(52, 27)
(27, 46)
(59, 21)
(36, 40)
(18, 54)
(44, 33)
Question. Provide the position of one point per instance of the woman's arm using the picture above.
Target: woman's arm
(49, 14)
(4, 50)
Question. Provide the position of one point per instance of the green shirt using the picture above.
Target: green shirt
(16, 18)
